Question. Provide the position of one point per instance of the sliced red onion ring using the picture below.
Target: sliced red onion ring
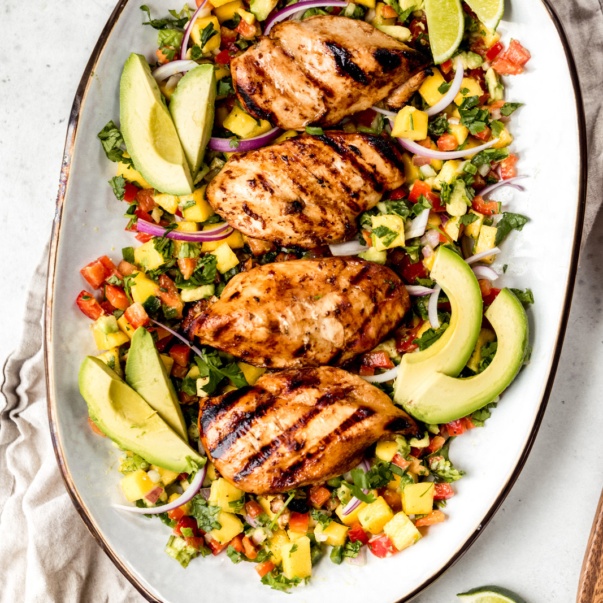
(172, 68)
(432, 308)
(190, 493)
(189, 29)
(178, 336)
(351, 506)
(291, 10)
(247, 144)
(349, 248)
(485, 272)
(418, 290)
(484, 254)
(384, 111)
(383, 377)
(509, 182)
(417, 149)
(455, 86)
(215, 234)
(416, 228)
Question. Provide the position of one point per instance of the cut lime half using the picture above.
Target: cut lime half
(490, 594)
(446, 23)
(489, 12)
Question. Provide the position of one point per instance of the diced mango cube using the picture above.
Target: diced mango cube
(226, 258)
(504, 139)
(186, 226)
(147, 257)
(248, 17)
(286, 135)
(334, 534)
(234, 241)
(200, 24)
(410, 123)
(429, 88)
(275, 544)
(126, 327)
(485, 336)
(201, 210)
(264, 502)
(401, 531)
(375, 515)
(296, 559)
(168, 361)
(106, 341)
(449, 172)
(367, 3)
(388, 232)
(167, 477)
(223, 493)
(132, 175)
(350, 518)
(143, 287)
(472, 230)
(137, 485)
(231, 526)
(453, 228)
(226, 12)
(252, 373)
(386, 450)
(486, 241)
(111, 359)
(417, 499)
(167, 202)
(411, 171)
(469, 87)
(243, 125)
(459, 131)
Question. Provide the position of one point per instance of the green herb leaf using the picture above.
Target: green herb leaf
(509, 222)
(509, 108)
(207, 34)
(180, 20)
(127, 253)
(205, 514)
(112, 141)
(387, 235)
(430, 337)
(525, 296)
(468, 219)
(314, 130)
(118, 184)
(439, 125)
(277, 581)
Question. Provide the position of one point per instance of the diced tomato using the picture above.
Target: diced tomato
(377, 360)
(253, 509)
(468, 423)
(494, 51)
(400, 461)
(443, 491)
(169, 295)
(484, 134)
(137, 316)
(87, 303)
(126, 268)
(162, 58)
(447, 142)
(411, 271)
(237, 543)
(95, 428)
(95, 273)
(143, 237)
(420, 188)
(504, 67)
(357, 533)
(508, 168)
(215, 547)
(517, 54)
(492, 295)
(195, 541)
(366, 371)
(405, 340)
(264, 568)
(247, 31)
(107, 307)
(392, 498)
(399, 193)
(228, 37)
(298, 522)
(145, 200)
(434, 517)
(189, 524)
(180, 372)
(479, 47)
(435, 444)
(181, 353)
(116, 297)
(141, 214)
(365, 118)
(178, 513)
(487, 208)
(223, 57)
(446, 66)
(198, 3)
(417, 28)
(319, 495)
(456, 428)
(187, 267)
(382, 547)
(130, 192)
(249, 549)
(110, 267)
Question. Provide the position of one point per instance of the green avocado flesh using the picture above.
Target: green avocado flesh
(149, 132)
(124, 416)
(192, 109)
(146, 374)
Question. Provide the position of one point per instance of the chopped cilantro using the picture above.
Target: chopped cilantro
(468, 219)
(525, 296)
(474, 118)
(179, 19)
(118, 184)
(488, 352)
(497, 128)
(387, 235)
(444, 87)
(127, 253)
(205, 514)
(439, 125)
(442, 468)
(320, 517)
(420, 206)
(276, 580)
(509, 108)
(204, 273)
(234, 555)
(207, 34)
(488, 156)
(225, 87)
(112, 141)
(430, 337)
(211, 365)
(509, 222)
(479, 417)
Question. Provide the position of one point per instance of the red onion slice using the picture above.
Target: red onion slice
(223, 145)
(291, 10)
(223, 231)
(416, 228)
(484, 254)
(418, 290)
(485, 272)
(509, 182)
(177, 335)
(417, 149)
(349, 248)
(384, 111)
(190, 493)
(383, 377)
(432, 308)
(188, 30)
(173, 68)
(455, 86)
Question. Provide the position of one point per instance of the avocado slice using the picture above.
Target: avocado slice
(446, 399)
(124, 416)
(192, 109)
(146, 374)
(149, 132)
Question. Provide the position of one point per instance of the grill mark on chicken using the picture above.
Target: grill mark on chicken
(345, 64)
(399, 424)
(287, 478)
(227, 401)
(252, 214)
(388, 59)
(255, 109)
(357, 278)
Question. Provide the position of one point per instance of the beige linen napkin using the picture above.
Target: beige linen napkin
(46, 552)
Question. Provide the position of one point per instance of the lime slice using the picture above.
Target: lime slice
(490, 594)
(446, 24)
(489, 12)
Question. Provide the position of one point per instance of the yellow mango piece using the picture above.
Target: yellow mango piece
(221, 72)
(223, 493)
(248, 17)
(410, 123)
(234, 241)
(132, 175)
(252, 373)
(393, 223)
(231, 526)
(147, 257)
(368, 3)
(296, 559)
(264, 502)
(352, 517)
(168, 361)
(137, 485)
(167, 477)
(226, 258)
(286, 135)
(469, 87)
(504, 140)
(126, 327)
(186, 226)
(485, 336)
(472, 230)
(243, 125)
(417, 499)
(386, 450)
(197, 30)
(375, 515)
(429, 88)
(111, 359)
(227, 11)
(334, 534)
(401, 531)
(167, 202)
(201, 210)
(459, 131)
(453, 228)
(275, 544)
(411, 171)
(485, 242)
(143, 287)
(106, 341)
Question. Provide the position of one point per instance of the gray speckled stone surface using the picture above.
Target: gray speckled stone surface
(535, 544)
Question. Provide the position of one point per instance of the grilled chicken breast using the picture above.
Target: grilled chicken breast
(320, 70)
(304, 312)
(306, 191)
(296, 427)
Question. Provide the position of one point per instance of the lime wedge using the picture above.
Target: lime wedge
(446, 24)
(490, 594)
(489, 12)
